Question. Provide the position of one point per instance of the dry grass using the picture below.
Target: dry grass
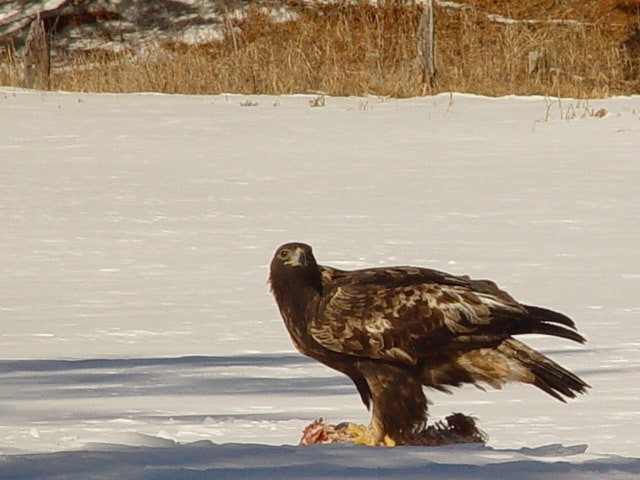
(492, 58)
(362, 49)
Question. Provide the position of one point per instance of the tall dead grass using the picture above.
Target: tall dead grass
(357, 49)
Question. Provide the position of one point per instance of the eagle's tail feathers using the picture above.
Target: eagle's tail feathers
(557, 381)
(547, 375)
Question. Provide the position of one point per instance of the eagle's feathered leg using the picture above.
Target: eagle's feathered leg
(399, 404)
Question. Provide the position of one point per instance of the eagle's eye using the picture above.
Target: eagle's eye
(283, 253)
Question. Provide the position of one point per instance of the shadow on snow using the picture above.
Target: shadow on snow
(204, 460)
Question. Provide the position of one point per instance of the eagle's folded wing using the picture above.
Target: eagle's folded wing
(408, 322)
(404, 321)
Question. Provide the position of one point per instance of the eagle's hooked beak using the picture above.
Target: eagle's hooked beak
(299, 257)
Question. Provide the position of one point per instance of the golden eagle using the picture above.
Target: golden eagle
(394, 329)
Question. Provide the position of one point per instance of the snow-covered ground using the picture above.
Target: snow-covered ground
(139, 339)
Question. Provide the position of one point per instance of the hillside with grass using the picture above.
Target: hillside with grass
(573, 48)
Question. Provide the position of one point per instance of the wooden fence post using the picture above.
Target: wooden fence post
(426, 44)
(37, 56)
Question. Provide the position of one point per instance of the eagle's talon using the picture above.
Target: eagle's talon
(387, 441)
(361, 435)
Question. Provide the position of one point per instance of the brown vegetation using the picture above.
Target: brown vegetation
(358, 49)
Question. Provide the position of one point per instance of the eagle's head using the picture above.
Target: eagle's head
(293, 255)
(294, 265)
